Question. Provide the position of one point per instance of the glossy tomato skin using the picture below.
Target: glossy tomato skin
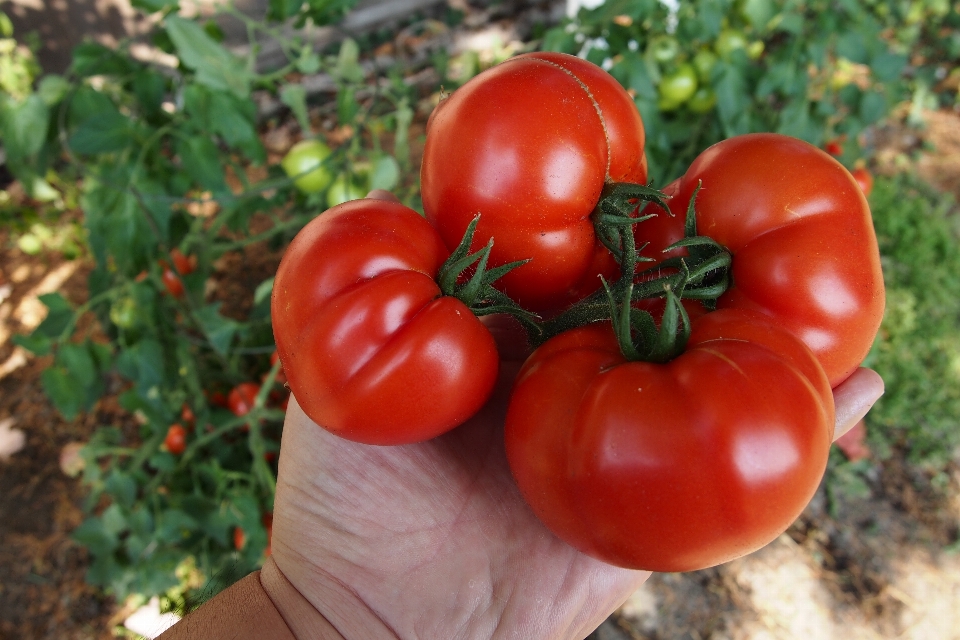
(802, 238)
(529, 145)
(176, 439)
(172, 283)
(371, 349)
(677, 466)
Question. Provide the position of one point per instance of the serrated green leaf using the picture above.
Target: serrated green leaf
(25, 127)
(201, 160)
(219, 329)
(215, 67)
(103, 133)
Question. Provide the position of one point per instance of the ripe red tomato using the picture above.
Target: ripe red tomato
(176, 440)
(172, 283)
(799, 228)
(239, 538)
(187, 415)
(864, 178)
(371, 349)
(183, 263)
(242, 398)
(530, 144)
(834, 148)
(676, 466)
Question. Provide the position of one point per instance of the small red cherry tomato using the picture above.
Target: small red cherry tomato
(176, 440)
(242, 398)
(172, 283)
(183, 263)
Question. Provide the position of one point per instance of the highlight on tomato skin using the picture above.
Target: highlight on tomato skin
(677, 466)
(372, 350)
(531, 143)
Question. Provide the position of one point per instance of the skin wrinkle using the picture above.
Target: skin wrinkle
(596, 106)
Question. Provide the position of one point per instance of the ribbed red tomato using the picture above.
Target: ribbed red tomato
(802, 238)
(371, 348)
(530, 145)
(676, 466)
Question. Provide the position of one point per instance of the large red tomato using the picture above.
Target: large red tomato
(371, 348)
(676, 466)
(800, 231)
(529, 145)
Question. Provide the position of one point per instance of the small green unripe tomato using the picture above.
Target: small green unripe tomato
(305, 164)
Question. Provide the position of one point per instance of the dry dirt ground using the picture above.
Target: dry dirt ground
(884, 567)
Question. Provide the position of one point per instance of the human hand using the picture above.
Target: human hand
(433, 540)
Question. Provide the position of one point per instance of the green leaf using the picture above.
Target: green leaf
(348, 67)
(759, 12)
(873, 107)
(52, 89)
(232, 123)
(122, 487)
(385, 173)
(174, 525)
(201, 160)
(295, 97)
(102, 133)
(94, 536)
(94, 59)
(150, 87)
(152, 6)
(215, 67)
(219, 329)
(25, 127)
(68, 397)
(263, 291)
(887, 66)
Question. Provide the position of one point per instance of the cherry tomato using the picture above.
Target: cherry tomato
(703, 101)
(305, 164)
(123, 312)
(176, 440)
(676, 466)
(530, 144)
(664, 48)
(801, 235)
(187, 415)
(172, 283)
(184, 264)
(729, 41)
(834, 147)
(242, 398)
(343, 190)
(703, 62)
(677, 87)
(864, 178)
(239, 538)
(371, 349)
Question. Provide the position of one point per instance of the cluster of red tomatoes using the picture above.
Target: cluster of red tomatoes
(705, 452)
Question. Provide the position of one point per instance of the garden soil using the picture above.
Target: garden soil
(881, 567)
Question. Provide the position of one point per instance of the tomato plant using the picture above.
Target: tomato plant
(803, 244)
(242, 398)
(176, 439)
(531, 144)
(676, 466)
(306, 163)
(372, 349)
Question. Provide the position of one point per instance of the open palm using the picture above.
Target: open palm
(433, 538)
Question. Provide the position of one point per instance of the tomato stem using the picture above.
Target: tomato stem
(703, 274)
(477, 293)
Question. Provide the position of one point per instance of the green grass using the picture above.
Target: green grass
(917, 351)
